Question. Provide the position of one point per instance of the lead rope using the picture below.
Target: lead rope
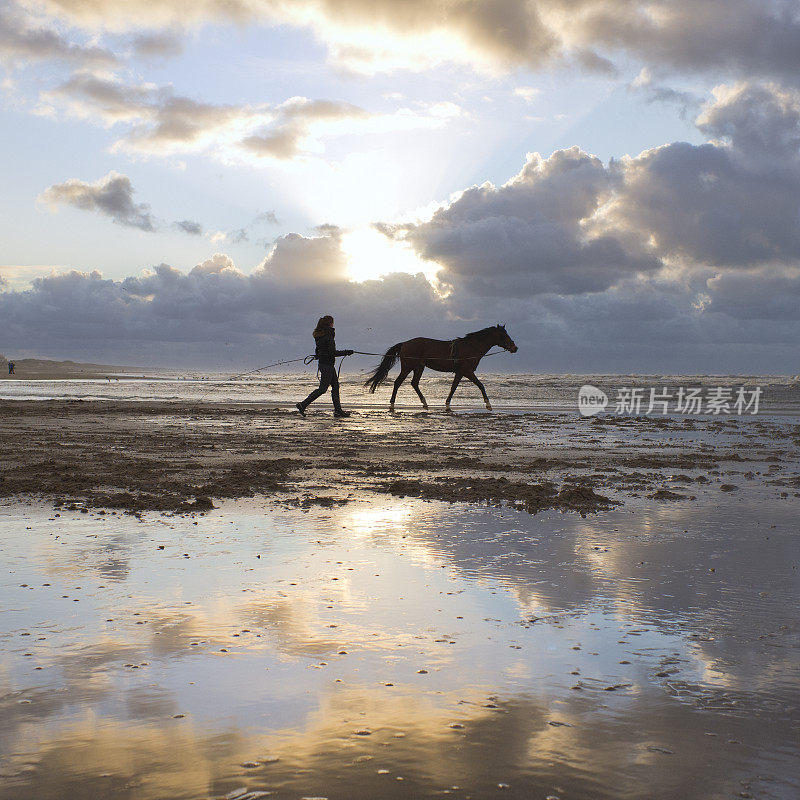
(306, 360)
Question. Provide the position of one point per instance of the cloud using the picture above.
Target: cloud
(159, 122)
(757, 119)
(296, 260)
(243, 234)
(527, 93)
(536, 234)
(738, 37)
(771, 293)
(24, 39)
(265, 218)
(111, 196)
(169, 317)
(189, 226)
(105, 98)
(569, 224)
(186, 317)
(658, 93)
(294, 121)
(166, 44)
(732, 202)
(682, 257)
(361, 35)
(708, 204)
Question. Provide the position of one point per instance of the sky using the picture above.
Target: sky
(193, 184)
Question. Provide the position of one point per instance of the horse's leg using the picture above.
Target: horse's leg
(404, 370)
(474, 379)
(456, 381)
(415, 383)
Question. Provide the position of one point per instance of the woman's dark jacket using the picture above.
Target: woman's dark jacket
(326, 351)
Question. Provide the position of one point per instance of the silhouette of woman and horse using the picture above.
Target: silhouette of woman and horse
(460, 356)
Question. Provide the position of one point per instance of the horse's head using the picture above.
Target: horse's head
(504, 340)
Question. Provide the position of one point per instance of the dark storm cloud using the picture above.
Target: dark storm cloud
(772, 294)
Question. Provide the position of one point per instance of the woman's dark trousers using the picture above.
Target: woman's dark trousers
(327, 377)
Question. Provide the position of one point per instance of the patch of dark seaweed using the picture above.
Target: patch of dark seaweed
(311, 500)
(530, 497)
(250, 478)
(673, 461)
(109, 480)
(666, 494)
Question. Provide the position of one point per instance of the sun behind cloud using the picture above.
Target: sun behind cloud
(371, 255)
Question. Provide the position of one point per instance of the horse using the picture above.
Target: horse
(459, 355)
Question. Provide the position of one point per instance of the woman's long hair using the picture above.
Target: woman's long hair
(324, 325)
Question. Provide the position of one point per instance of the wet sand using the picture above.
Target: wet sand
(179, 457)
(352, 621)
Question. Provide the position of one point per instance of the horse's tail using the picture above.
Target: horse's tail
(382, 370)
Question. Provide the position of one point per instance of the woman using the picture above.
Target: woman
(326, 353)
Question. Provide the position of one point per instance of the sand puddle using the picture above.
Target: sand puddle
(399, 648)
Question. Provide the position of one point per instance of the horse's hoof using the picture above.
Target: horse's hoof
(391, 408)
(425, 407)
(488, 406)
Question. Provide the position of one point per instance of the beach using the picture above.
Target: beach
(400, 401)
(227, 600)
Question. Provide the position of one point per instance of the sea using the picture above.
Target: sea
(745, 395)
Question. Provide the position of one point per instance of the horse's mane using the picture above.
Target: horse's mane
(478, 333)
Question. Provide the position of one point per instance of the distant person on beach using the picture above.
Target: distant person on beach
(326, 352)
(11, 367)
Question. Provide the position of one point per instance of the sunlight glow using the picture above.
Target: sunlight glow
(370, 255)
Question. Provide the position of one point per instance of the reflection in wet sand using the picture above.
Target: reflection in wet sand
(400, 649)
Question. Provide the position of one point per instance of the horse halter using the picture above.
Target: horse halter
(509, 343)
